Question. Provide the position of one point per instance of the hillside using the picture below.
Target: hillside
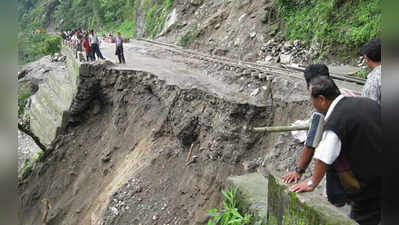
(333, 29)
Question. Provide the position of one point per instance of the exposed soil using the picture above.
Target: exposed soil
(125, 160)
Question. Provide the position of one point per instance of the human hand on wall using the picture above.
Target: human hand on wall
(302, 187)
(291, 176)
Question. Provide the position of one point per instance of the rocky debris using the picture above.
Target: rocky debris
(287, 52)
(196, 2)
(27, 150)
(58, 57)
(220, 51)
(251, 165)
(37, 72)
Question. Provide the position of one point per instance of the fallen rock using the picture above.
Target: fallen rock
(195, 2)
(285, 59)
(220, 52)
(255, 92)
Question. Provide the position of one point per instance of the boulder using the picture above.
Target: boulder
(220, 51)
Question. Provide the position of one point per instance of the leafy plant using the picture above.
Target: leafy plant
(230, 213)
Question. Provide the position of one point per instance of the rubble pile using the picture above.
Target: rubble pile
(277, 50)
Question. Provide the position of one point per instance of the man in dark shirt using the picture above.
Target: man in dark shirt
(119, 48)
(351, 144)
(335, 194)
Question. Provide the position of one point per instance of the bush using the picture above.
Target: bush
(51, 45)
(32, 47)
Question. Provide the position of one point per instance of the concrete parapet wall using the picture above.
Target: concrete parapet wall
(282, 207)
(252, 193)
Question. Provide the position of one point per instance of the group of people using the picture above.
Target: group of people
(349, 152)
(88, 40)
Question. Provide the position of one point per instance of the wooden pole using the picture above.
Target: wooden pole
(280, 128)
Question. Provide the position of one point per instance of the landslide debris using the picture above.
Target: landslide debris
(125, 160)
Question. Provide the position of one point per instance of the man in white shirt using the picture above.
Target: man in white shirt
(94, 46)
(334, 192)
(351, 144)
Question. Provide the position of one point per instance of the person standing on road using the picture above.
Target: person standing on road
(119, 48)
(86, 45)
(352, 145)
(371, 52)
(95, 50)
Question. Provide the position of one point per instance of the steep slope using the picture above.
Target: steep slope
(126, 158)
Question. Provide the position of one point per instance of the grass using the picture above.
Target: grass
(155, 15)
(340, 26)
(230, 213)
(186, 38)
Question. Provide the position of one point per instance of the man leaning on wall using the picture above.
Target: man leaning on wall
(334, 190)
(352, 145)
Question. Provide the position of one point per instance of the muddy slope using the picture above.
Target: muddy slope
(125, 159)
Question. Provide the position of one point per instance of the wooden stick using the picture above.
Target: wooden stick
(190, 152)
(280, 128)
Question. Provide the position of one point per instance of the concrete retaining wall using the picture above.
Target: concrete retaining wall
(60, 98)
(51, 103)
(282, 207)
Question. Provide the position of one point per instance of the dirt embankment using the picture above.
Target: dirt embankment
(126, 159)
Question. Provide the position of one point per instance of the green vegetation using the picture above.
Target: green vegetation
(24, 92)
(230, 213)
(104, 16)
(32, 47)
(27, 169)
(155, 15)
(340, 26)
(187, 37)
(363, 72)
(28, 165)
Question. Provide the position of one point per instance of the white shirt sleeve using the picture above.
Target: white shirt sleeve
(329, 147)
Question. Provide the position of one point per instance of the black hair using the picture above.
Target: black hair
(372, 49)
(315, 70)
(323, 85)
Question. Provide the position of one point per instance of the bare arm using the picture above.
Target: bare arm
(306, 157)
(318, 174)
